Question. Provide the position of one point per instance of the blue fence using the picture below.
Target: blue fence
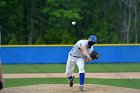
(58, 54)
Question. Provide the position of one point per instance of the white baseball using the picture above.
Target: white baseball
(73, 23)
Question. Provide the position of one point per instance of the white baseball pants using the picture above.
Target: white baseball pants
(80, 62)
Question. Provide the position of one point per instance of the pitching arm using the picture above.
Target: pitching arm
(86, 53)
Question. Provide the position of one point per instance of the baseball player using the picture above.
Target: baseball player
(78, 55)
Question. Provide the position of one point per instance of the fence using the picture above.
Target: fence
(58, 54)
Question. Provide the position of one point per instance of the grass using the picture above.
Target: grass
(60, 68)
(129, 83)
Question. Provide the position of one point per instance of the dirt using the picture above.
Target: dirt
(62, 88)
(126, 75)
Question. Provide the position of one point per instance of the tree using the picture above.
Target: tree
(130, 15)
(49, 21)
(13, 39)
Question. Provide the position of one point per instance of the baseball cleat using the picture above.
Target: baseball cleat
(81, 88)
(71, 82)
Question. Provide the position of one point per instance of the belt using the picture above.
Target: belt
(72, 55)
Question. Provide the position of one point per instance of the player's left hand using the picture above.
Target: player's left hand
(94, 55)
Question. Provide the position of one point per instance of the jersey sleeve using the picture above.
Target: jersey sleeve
(91, 49)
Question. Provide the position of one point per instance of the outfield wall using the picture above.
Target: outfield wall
(58, 54)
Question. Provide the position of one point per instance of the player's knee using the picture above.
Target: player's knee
(81, 70)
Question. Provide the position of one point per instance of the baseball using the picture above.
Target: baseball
(73, 23)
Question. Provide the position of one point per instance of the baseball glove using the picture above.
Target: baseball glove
(94, 55)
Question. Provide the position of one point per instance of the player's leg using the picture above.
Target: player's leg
(69, 68)
(69, 71)
(81, 63)
(1, 79)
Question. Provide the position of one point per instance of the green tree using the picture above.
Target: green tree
(13, 40)
(49, 21)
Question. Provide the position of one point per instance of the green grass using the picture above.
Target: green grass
(129, 83)
(60, 68)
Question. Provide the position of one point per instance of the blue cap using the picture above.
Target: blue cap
(93, 38)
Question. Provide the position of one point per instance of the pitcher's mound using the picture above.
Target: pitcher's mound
(62, 88)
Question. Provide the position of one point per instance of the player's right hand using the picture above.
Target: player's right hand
(88, 59)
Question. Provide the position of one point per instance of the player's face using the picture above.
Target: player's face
(90, 43)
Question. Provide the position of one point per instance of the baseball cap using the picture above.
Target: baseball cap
(93, 38)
